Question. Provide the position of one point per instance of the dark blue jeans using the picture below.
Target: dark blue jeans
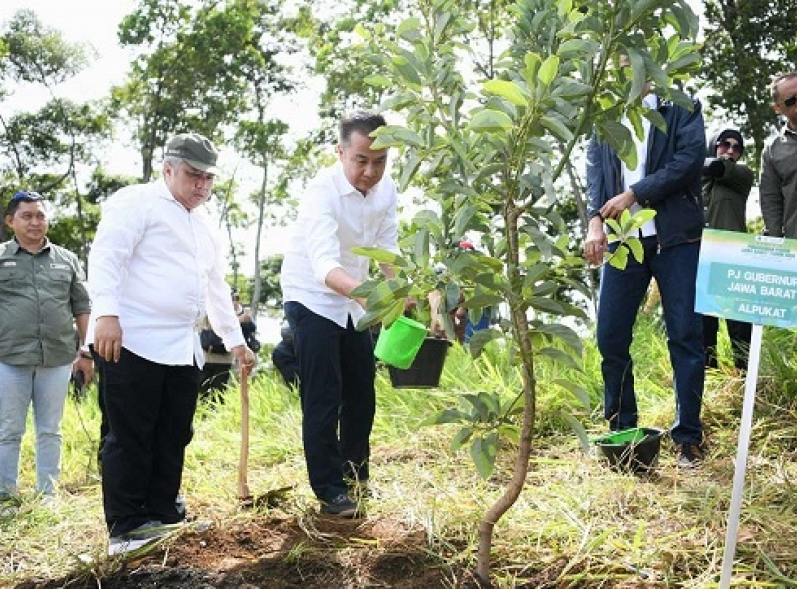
(336, 385)
(621, 293)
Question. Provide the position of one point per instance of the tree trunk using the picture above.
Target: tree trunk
(515, 486)
(520, 325)
(260, 214)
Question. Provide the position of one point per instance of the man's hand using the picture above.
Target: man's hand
(435, 299)
(617, 204)
(596, 242)
(84, 365)
(108, 338)
(246, 359)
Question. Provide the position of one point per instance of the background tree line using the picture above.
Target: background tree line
(217, 68)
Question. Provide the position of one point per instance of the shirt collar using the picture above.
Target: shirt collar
(651, 101)
(163, 190)
(344, 187)
(45, 246)
(785, 130)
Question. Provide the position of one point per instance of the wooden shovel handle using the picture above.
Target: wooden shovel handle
(243, 459)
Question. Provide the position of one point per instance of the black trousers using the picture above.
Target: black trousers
(149, 409)
(336, 385)
(739, 332)
(213, 379)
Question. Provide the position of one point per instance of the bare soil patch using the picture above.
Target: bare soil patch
(311, 552)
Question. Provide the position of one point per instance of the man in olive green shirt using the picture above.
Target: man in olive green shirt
(42, 299)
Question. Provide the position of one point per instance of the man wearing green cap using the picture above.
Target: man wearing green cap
(156, 268)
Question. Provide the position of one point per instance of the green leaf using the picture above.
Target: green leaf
(409, 25)
(510, 431)
(567, 88)
(461, 438)
(408, 170)
(614, 226)
(640, 8)
(548, 70)
(580, 432)
(362, 32)
(635, 245)
(407, 70)
(493, 404)
(619, 259)
(681, 99)
(508, 90)
(532, 61)
(385, 293)
(480, 339)
(560, 357)
(483, 452)
(642, 216)
(479, 301)
(408, 137)
(451, 297)
(490, 283)
(546, 305)
(420, 248)
(463, 217)
(537, 272)
(578, 391)
(371, 318)
(615, 134)
(557, 128)
(378, 81)
(640, 75)
(563, 333)
(656, 119)
(480, 410)
(585, 47)
(489, 121)
(380, 255)
(446, 416)
(395, 311)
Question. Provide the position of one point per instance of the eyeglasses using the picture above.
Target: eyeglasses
(791, 101)
(22, 194)
(730, 146)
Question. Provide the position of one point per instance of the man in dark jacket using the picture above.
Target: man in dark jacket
(726, 186)
(667, 179)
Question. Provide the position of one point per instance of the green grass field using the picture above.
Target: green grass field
(577, 522)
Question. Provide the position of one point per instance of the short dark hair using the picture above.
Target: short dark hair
(361, 121)
(777, 79)
(20, 197)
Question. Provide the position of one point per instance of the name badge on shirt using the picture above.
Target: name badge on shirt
(55, 266)
(9, 263)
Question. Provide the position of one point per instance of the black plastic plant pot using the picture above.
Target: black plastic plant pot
(425, 370)
(638, 457)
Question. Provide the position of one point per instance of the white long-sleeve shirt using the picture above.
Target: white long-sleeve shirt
(631, 177)
(159, 268)
(333, 218)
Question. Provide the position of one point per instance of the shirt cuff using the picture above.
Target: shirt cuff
(324, 269)
(105, 306)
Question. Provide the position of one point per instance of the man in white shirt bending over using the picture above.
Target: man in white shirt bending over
(154, 240)
(347, 205)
